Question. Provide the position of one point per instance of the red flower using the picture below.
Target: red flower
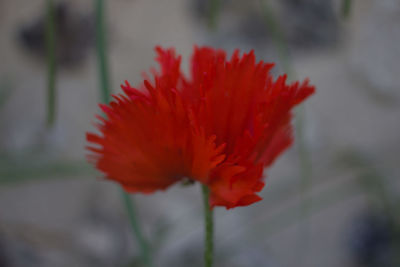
(221, 127)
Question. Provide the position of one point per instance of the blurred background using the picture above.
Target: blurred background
(331, 200)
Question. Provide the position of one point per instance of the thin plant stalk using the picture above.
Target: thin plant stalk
(306, 177)
(346, 8)
(213, 13)
(281, 46)
(131, 210)
(303, 151)
(101, 45)
(51, 63)
(277, 37)
(209, 228)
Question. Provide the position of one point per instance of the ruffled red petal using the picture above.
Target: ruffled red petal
(148, 140)
(221, 127)
(238, 101)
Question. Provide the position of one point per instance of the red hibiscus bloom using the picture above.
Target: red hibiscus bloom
(221, 127)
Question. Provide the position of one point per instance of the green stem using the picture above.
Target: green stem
(131, 211)
(304, 157)
(346, 8)
(306, 180)
(213, 13)
(283, 52)
(209, 228)
(282, 48)
(101, 45)
(51, 63)
(278, 37)
(105, 96)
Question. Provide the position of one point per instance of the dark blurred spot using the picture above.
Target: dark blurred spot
(75, 35)
(3, 255)
(253, 28)
(202, 8)
(302, 23)
(372, 241)
(310, 22)
(187, 182)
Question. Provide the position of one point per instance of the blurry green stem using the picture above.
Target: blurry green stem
(145, 257)
(280, 43)
(209, 228)
(101, 45)
(304, 157)
(277, 37)
(105, 96)
(346, 8)
(51, 62)
(213, 13)
(305, 172)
